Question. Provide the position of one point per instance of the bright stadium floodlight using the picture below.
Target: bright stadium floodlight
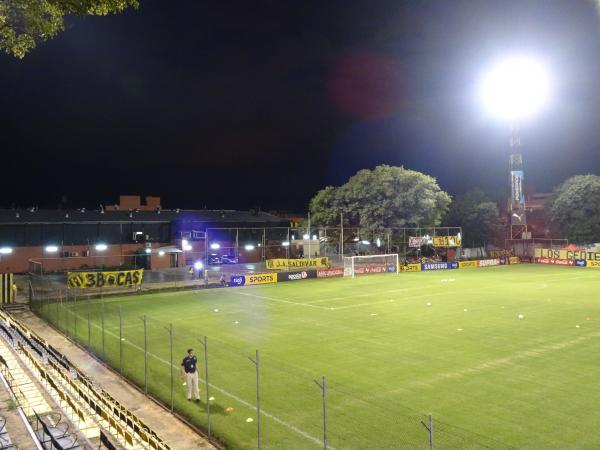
(5, 250)
(161, 253)
(516, 88)
(306, 237)
(51, 248)
(184, 242)
(187, 247)
(198, 265)
(365, 242)
(249, 247)
(148, 250)
(285, 243)
(215, 246)
(101, 247)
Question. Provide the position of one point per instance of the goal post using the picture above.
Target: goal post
(370, 264)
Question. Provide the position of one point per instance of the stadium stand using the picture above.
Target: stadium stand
(94, 413)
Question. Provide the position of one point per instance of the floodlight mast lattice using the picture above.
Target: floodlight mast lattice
(514, 90)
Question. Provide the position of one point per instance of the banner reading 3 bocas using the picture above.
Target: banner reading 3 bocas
(122, 278)
(305, 263)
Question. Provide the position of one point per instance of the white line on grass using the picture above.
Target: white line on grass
(337, 308)
(496, 363)
(279, 300)
(223, 391)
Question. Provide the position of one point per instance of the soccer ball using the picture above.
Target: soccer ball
(520, 316)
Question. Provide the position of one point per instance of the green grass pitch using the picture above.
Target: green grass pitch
(392, 347)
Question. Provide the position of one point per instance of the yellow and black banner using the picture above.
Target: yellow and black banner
(447, 241)
(566, 254)
(7, 292)
(514, 260)
(306, 263)
(410, 268)
(122, 278)
(468, 264)
(261, 278)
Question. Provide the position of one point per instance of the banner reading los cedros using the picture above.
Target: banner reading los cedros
(121, 278)
(566, 254)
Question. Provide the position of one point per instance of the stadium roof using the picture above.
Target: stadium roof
(13, 216)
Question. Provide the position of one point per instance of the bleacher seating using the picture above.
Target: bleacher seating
(88, 406)
(55, 435)
(5, 441)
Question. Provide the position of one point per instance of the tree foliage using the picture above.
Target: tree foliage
(576, 208)
(25, 23)
(478, 216)
(385, 197)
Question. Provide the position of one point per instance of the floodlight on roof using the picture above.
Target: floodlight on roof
(5, 250)
(215, 246)
(249, 247)
(101, 247)
(51, 248)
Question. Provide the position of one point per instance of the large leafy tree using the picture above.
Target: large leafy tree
(576, 208)
(24, 23)
(385, 197)
(478, 216)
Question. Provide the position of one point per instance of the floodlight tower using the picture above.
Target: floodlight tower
(514, 90)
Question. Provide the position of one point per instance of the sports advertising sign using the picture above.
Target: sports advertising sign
(416, 241)
(255, 278)
(467, 264)
(439, 266)
(304, 263)
(447, 241)
(566, 254)
(123, 278)
(410, 268)
(296, 276)
(593, 264)
(330, 273)
(518, 197)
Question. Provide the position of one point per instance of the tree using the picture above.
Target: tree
(576, 208)
(25, 23)
(478, 216)
(385, 197)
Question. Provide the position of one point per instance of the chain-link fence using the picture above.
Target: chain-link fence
(248, 399)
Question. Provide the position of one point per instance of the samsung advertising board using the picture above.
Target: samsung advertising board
(439, 266)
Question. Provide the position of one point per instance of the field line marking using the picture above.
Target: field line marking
(337, 308)
(495, 363)
(223, 391)
(279, 300)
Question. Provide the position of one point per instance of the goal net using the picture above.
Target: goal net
(364, 265)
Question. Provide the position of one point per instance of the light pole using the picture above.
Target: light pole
(514, 90)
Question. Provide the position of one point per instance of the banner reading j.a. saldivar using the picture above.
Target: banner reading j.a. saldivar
(121, 278)
(305, 263)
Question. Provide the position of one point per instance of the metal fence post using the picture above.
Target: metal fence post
(89, 325)
(429, 428)
(171, 360)
(145, 355)
(257, 364)
(121, 340)
(323, 386)
(102, 319)
(205, 343)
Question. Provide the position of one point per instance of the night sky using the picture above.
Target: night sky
(245, 104)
